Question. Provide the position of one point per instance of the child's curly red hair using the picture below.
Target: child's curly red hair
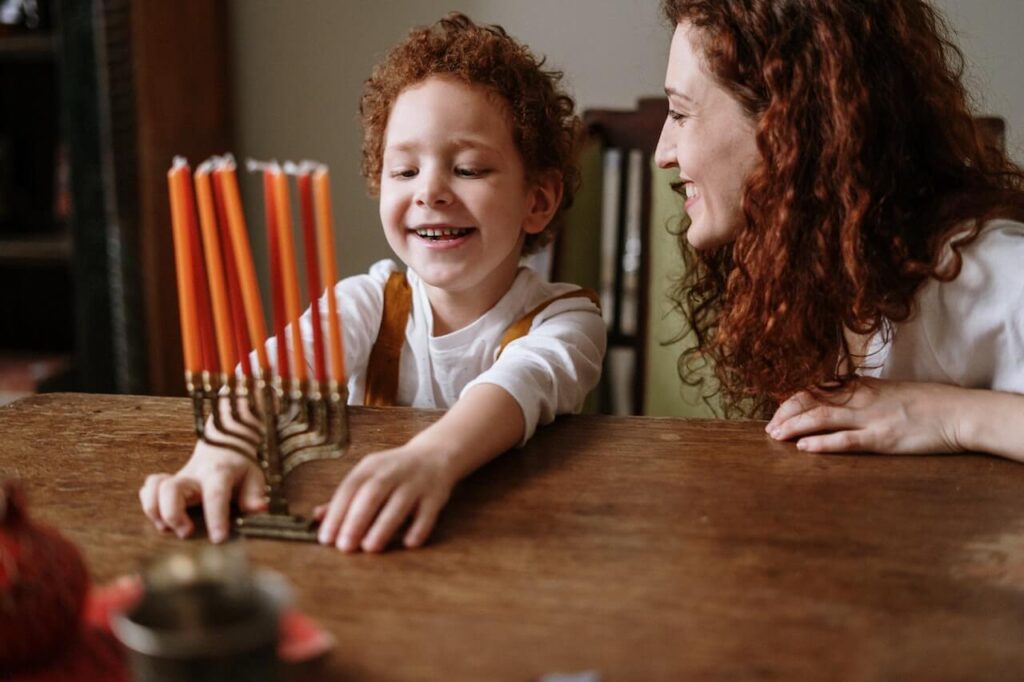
(870, 163)
(544, 125)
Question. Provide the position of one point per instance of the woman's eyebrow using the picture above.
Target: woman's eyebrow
(672, 92)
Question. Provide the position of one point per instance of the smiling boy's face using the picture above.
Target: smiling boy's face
(454, 199)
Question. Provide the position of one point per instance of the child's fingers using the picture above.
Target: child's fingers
(338, 507)
(365, 505)
(149, 496)
(426, 517)
(216, 492)
(395, 510)
(253, 495)
(174, 494)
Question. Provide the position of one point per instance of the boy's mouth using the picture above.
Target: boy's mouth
(436, 233)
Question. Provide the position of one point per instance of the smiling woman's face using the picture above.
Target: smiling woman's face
(710, 140)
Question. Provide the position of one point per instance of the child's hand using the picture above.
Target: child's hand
(211, 476)
(380, 493)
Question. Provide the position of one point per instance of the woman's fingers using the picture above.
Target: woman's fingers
(391, 516)
(794, 405)
(823, 417)
(839, 441)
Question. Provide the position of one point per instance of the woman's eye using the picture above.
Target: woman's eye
(677, 117)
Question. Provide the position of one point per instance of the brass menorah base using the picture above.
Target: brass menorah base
(285, 428)
(277, 526)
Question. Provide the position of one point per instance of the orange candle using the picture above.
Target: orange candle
(289, 276)
(276, 290)
(215, 268)
(207, 345)
(241, 338)
(243, 261)
(312, 271)
(325, 228)
(177, 180)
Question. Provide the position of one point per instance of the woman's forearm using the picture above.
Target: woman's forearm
(993, 422)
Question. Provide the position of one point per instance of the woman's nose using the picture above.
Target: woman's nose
(434, 190)
(665, 152)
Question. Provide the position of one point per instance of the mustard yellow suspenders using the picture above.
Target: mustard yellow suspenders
(386, 355)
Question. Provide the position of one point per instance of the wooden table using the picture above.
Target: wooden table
(643, 549)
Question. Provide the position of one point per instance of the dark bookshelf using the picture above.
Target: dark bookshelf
(93, 105)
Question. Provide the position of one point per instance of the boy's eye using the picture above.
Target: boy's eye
(404, 173)
(469, 172)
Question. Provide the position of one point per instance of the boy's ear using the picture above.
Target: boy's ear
(544, 199)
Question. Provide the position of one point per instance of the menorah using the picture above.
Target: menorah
(275, 414)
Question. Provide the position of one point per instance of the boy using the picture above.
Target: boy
(470, 147)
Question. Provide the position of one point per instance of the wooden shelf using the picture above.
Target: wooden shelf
(34, 46)
(47, 250)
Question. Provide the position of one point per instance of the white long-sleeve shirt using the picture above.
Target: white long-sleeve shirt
(548, 372)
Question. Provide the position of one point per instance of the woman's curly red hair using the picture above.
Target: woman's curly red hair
(544, 125)
(870, 164)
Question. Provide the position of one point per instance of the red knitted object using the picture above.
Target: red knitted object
(43, 583)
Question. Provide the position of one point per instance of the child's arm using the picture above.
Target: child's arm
(905, 417)
(213, 475)
(545, 373)
(416, 479)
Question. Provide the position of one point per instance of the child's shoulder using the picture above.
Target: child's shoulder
(537, 295)
(367, 288)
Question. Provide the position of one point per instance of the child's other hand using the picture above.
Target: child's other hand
(874, 415)
(211, 476)
(379, 494)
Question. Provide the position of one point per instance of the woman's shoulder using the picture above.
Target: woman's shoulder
(990, 267)
(974, 323)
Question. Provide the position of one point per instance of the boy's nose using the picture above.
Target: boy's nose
(433, 191)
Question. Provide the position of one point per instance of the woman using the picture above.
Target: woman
(855, 251)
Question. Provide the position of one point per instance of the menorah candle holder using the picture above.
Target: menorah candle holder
(279, 414)
(282, 429)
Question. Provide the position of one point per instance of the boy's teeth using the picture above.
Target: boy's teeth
(442, 232)
(691, 190)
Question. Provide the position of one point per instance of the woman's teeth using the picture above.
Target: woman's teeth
(441, 233)
(691, 190)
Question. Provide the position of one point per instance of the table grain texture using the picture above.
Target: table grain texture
(638, 548)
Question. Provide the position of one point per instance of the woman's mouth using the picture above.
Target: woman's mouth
(691, 193)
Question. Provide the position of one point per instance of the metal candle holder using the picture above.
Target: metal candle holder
(287, 428)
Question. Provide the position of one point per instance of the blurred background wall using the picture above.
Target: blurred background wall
(297, 69)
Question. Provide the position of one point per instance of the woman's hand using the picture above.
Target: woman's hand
(874, 415)
(380, 493)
